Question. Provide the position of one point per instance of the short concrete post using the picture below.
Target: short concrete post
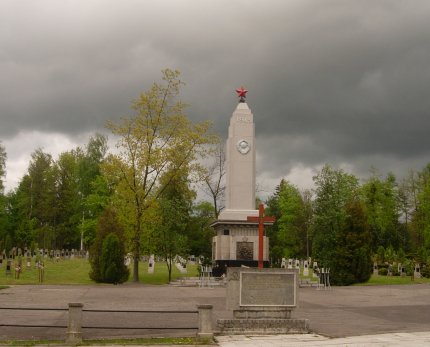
(205, 321)
(74, 330)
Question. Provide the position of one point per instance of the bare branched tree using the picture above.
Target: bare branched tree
(214, 181)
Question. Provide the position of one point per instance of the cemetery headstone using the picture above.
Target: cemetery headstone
(9, 267)
(284, 263)
(17, 270)
(181, 264)
(417, 272)
(127, 260)
(297, 264)
(305, 268)
(315, 270)
(375, 268)
(403, 271)
(290, 264)
(41, 272)
(151, 264)
(28, 262)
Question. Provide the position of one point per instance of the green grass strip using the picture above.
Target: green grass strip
(177, 341)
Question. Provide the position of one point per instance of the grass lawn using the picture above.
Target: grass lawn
(376, 280)
(75, 271)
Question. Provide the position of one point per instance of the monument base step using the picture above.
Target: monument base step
(262, 326)
(198, 282)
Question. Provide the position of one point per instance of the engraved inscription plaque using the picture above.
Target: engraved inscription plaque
(268, 289)
(244, 250)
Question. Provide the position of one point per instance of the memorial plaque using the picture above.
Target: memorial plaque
(245, 250)
(268, 289)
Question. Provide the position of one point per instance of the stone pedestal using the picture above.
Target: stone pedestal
(262, 301)
(236, 244)
(74, 329)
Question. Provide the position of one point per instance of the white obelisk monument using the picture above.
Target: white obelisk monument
(236, 240)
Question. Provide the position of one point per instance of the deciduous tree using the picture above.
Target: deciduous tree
(156, 139)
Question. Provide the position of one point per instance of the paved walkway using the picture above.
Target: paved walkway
(417, 339)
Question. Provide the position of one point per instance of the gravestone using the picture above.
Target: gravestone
(45, 255)
(297, 264)
(375, 268)
(127, 260)
(417, 271)
(290, 264)
(151, 264)
(9, 267)
(28, 262)
(262, 301)
(315, 270)
(284, 263)
(403, 271)
(17, 270)
(180, 264)
(390, 270)
(305, 268)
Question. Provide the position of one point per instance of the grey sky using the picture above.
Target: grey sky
(330, 81)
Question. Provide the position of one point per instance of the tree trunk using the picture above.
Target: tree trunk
(169, 268)
(136, 256)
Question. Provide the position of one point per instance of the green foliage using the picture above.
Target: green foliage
(199, 233)
(112, 266)
(334, 189)
(157, 139)
(292, 210)
(382, 209)
(353, 262)
(292, 222)
(174, 208)
(108, 224)
(383, 271)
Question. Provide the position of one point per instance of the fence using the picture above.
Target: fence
(76, 310)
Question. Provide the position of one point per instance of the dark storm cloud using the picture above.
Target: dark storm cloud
(329, 81)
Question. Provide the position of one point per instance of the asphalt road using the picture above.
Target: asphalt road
(339, 312)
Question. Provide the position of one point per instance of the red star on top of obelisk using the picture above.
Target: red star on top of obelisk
(241, 93)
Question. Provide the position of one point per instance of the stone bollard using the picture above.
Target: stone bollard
(205, 321)
(74, 330)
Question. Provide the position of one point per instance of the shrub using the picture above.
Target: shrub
(425, 271)
(383, 271)
(113, 269)
(107, 224)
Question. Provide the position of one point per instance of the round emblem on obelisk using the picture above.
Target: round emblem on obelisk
(243, 146)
